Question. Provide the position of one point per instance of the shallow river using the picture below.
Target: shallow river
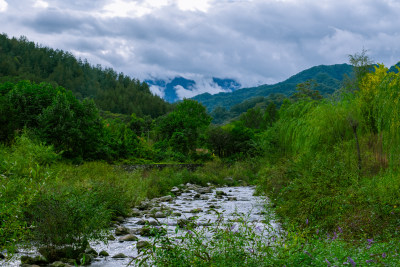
(237, 201)
(207, 203)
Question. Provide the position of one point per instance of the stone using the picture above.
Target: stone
(153, 223)
(197, 196)
(121, 230)
(144, 205)
(91, 251)
(2, 257)
(135, 213)
(204, 190)
(176, 191)
(232, 198)
(110, 238)
(167, 198)
(176, 214)
(128, 237)
(220, 193)
(119, 256)
(204, 197)
(159, 214)
(104, 253)
(37, 260)
(142, 245)
(59, 264)
(119, 219)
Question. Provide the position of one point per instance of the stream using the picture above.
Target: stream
(194, 201)
(208, 204)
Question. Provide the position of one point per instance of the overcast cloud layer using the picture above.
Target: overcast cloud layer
(252, 41)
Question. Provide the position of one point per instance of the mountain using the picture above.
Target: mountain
(328, 77)
(21, 59)
(169, 89)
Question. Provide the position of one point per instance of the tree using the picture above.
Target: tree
(189, 118)
(305, 90)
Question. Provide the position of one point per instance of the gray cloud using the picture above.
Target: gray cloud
(252, 41)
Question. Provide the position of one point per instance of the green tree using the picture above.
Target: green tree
(189, 119)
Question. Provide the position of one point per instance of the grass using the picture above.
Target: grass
(245, 244)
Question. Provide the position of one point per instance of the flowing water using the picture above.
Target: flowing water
(238, 201)
(206, 203)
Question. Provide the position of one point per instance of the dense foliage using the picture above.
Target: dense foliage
(21, 59)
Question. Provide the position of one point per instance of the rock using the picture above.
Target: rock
(104, 253)
(153, 223)
(119, 256)
(135, 213)
(176, 191)
(110, 238)
(155, 209)
(142, 245)
(197, 196)
(204, 197)
(128, 237)
(119, 219)
(2, 257)
(144, 205)
(232, 198)
(204, 190)
(159, 214)
(38, 260)
(176, 214)
(91, 251)
(121, 230)
(59, 264)
(166, 198)
(220, 193)
(151, 231)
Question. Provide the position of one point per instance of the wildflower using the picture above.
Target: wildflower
(306, 221)
(369, 261)
(353, 263)
(383, 255)
(329, 264)
(340, 229)
(233, 227)
(317, 231)
(334, 236)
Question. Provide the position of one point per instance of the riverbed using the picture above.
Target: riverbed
(207, 204)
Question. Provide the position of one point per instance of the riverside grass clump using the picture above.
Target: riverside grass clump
(243, 243)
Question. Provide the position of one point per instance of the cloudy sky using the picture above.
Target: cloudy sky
(252, 41)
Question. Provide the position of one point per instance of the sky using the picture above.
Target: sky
(252, 41)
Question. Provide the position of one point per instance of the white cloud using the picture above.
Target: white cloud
(253, 41)
(157, 90)
(41, 4)
(3, 5)
(122, 8)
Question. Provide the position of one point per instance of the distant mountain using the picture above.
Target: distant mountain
(329, 78)
(168, 89)
(394, 69)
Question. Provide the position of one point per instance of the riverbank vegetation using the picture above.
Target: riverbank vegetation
(328, 165)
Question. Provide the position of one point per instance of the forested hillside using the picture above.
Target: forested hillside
(21, 59)
(327, 78)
